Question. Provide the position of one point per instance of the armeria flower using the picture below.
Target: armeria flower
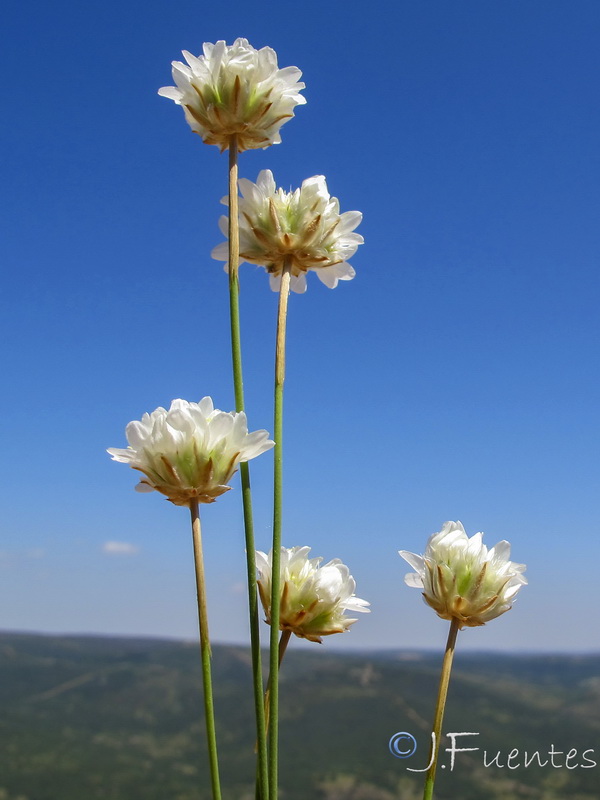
(191, 451)
(313, 598)
(304, 228)
(235, 90)
(461, 579)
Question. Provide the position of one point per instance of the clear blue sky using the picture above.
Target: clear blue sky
(455, 378)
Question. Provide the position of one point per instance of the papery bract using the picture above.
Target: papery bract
(314, 598)
(463, 580)
(238, 90)
(191, 451)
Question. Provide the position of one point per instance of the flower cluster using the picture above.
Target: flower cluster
(235, 90)
(191, 451)
(463, 580)
(303, 229)
(313, 598)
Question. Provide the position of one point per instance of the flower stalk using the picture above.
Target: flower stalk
(238, 386)
(205, 652)
(468, 584)
(440, 708)
(234, 286)
(284, 291)
(283, 643)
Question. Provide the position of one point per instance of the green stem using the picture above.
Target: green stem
(238, 386)
(276, 552)
(440, 708)
(234, 285)
(283, 643)
(209, 712)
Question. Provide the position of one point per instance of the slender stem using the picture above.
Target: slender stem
(440, 708)
(238, 385)
(277, 505)
(234, 285)
(209, 712)
(283, 643)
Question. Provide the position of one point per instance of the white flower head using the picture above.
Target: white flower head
(313, 598)
(238, 90)
(463, 580)
(303, 228)
(191, 451)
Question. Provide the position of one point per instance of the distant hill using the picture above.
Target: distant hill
(91, 718)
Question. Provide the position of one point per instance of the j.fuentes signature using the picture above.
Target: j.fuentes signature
(404, 745)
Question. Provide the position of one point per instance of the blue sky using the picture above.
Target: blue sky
(455, 378)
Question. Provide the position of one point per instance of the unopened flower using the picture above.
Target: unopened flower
(463, 580)
(303, 228)
(313, 598)
(235, 90)
(191, 451)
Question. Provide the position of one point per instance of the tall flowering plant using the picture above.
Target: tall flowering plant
(289, 234)
(237, 97)
(469, 585)
(312, 600)
(190, 453)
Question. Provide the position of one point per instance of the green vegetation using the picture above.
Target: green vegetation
(85, 718)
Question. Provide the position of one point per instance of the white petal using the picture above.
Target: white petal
(220, 252)
(194, 62)
(256, 443)
(246, 187)
(298, 283)
(137, 434)
(290, 75)
(356, 604)
(224, 224)
(262, 562)
(349, 220)
(345, 271)
(143, 488)
(266, 181)
(172, 92)
(413, 580)
(328, 276)
(181, 75)
(501, 552)
(118, 454)
(220, 426)
(206, 406)
(415, 561)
